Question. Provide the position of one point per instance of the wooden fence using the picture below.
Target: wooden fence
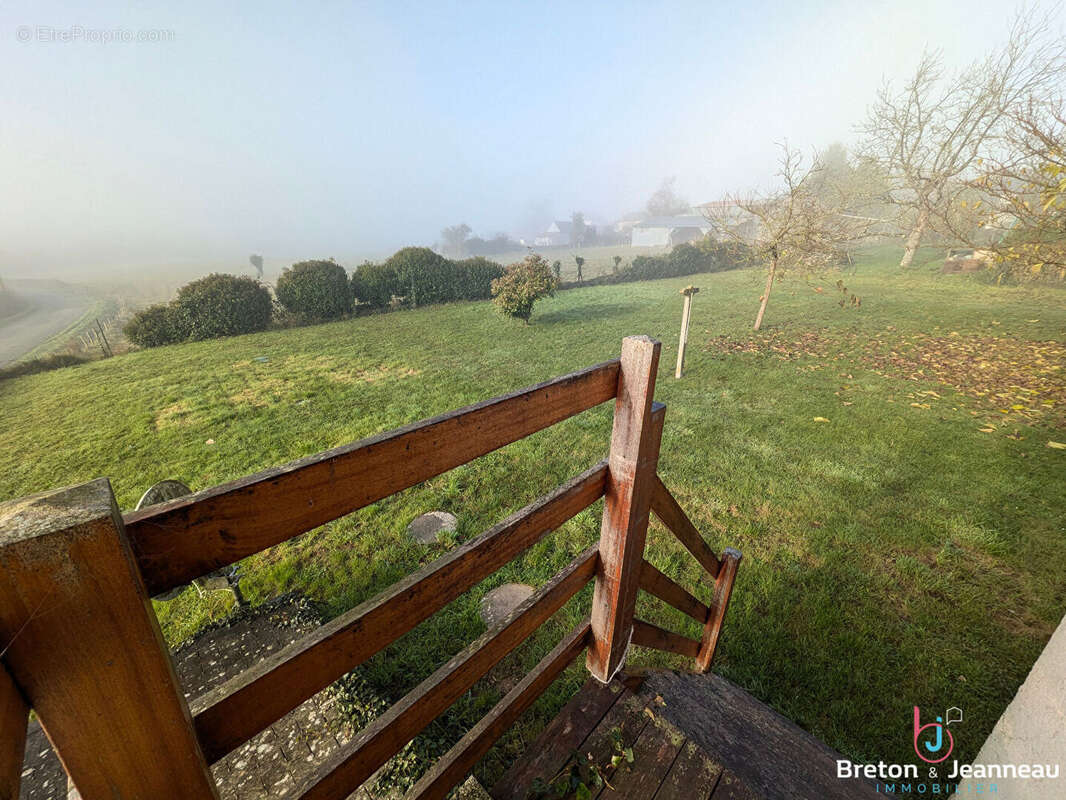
(80, 644)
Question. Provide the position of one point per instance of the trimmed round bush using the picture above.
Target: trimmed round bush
(474, 277)
(155, 326)
(223, 305)
(315, 290)
(375, 284)
(424, 276)
(522, 285)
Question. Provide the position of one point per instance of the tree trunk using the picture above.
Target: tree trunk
(766, 294)
(914, 239)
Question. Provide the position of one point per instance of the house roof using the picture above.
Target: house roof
(687, 221)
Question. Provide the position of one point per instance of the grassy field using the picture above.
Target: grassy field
(885, 469)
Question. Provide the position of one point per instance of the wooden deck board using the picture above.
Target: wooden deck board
(770, 755)
(692, 776)
(696, 737)
(563, 735)
(654, 753)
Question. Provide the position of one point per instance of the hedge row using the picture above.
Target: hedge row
(224, 305)
(310, 291)
(218, 305)
(694, 258)
(417, 276)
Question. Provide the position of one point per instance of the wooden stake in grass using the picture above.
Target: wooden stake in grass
(688, 291)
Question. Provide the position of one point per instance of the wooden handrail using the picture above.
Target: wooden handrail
(453, 766)
(655, 583)
(347, 769)
(14, 716)
(186, 538)
(263, 694)
(670, 513)
(97, 659)
(647, 635)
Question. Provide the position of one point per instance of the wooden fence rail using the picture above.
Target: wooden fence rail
(191, 536)
(80, 645)
(258, 697)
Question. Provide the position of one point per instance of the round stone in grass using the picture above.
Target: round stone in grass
(502, 600)
(424, 529)
(163, 491)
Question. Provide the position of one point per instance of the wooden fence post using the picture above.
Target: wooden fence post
(686, 313)
(14, 715)
(632, 463)
(84, 647)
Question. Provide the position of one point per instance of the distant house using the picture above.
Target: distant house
(557, 234)
(560, 234)
(668, 231)
(728, 216)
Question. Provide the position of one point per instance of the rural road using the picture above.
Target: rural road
(53, 307)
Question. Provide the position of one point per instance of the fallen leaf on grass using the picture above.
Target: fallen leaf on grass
(1056, 445)
(820, 419)
(987, 430)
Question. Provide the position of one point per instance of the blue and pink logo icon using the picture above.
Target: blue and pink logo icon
(932, 743)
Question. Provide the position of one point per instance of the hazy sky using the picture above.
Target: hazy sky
(329, 129)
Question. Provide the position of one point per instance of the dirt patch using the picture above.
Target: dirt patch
(269, 383)
(1018, 379)
(173, 416)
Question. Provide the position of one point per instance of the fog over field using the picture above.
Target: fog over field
(348, 132)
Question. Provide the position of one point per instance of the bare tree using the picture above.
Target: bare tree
(577, 229)
(666, 202)
(808, 224)
(455, 238)
(930, 136)
(1015, 209)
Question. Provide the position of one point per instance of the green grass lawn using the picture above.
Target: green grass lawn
(899, 508)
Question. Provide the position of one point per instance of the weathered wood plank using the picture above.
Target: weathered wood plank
(193, 535)
(242, 707)
(653, 754)
(563, 735)
(723, 589)
(14, 716)
(454, 765)
(656, 583)
(626, 721)
(647, 635)
(671, 515)
(85, 649)
(738, 732)
(633, 459)
(352, 764)
(731, 787)
(692, 776)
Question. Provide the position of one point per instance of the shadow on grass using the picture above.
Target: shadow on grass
(586, 312)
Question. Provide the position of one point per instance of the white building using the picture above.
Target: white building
(668, 231)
